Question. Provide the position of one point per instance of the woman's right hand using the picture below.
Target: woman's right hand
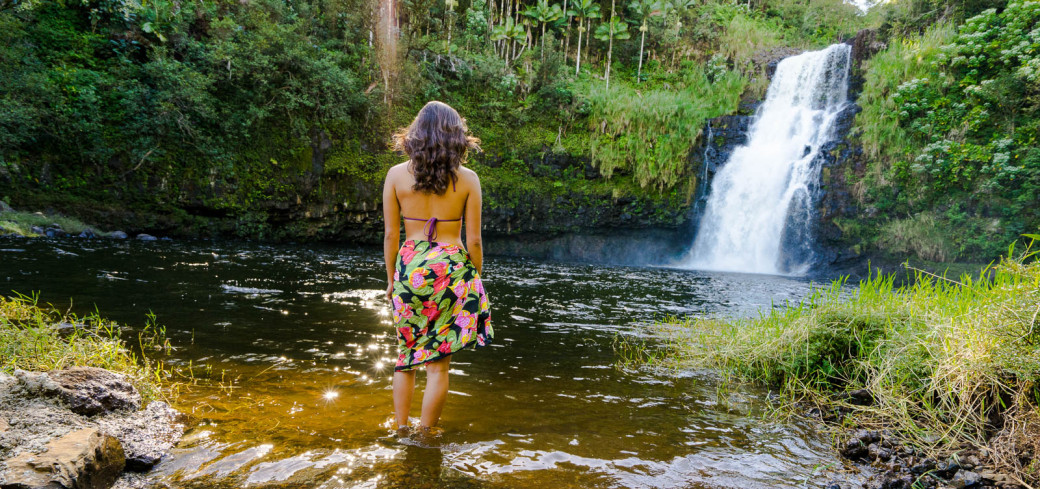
(390, 293)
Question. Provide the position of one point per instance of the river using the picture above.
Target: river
(292, 349)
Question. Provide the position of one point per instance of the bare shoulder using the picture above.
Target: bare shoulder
(397, 170)
(468, 176)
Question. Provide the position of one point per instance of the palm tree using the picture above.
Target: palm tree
(607, 32)
(582, 9)
(544, 14)
(645, 9)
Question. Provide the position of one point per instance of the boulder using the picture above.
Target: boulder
(117, 235)
(91, 390)
(146, 435)
(146, 237)
(37, 230)
(82, 459)
(54, 232)
(87, 233)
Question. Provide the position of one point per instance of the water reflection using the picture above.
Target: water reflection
(295, 349)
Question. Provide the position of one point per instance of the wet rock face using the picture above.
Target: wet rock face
(91, 391)
(83, 459)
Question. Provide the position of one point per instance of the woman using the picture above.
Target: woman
(439, 302)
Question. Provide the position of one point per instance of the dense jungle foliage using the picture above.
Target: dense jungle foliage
(234, 109)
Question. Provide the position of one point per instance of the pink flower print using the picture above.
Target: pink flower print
(459, 289)
(439, 269)
(434, 253)
(480, 340)
(451, 249)
(465, 336)
(479, 285)
(466, 320)
(457, 266)
(418, 278)
(402, 360)
(421, 355)
(405, 312)
(397, 275)
(408, 252)
(430, 311)
(445, 347)
(441, 283)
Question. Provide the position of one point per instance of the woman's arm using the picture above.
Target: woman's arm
(474, 244)
(391, 229)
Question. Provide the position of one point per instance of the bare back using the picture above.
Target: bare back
(450, 208)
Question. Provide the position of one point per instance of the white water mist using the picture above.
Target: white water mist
(759, 216)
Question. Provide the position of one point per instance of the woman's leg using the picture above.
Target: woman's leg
(404, 385)
(436, 392)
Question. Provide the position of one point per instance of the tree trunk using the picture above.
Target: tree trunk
(639, 72)
(491, 18)
(543, 40)
(588, 38)
(577, 66)
(447, 18)
(567, 38)
(610, 44)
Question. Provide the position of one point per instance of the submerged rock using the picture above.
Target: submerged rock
(146, 237)
(117, 235)
(83, 459)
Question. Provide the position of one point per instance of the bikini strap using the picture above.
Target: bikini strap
(430, 229)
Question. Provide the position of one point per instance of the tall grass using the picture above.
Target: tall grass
(921, 235)
(42, 338)
(949, 362)
(650, 131)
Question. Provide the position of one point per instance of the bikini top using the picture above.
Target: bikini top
(431, 224)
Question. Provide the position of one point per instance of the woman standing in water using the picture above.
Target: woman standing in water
(439, 303)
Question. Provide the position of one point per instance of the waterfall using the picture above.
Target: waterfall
(760, 213)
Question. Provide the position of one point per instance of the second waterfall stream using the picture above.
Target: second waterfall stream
(760, 213)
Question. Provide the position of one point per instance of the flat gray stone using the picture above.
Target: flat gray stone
(83, 459)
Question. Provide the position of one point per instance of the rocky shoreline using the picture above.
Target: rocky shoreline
(81, 427)
(894, 464)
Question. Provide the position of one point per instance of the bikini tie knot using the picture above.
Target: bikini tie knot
(430, 229)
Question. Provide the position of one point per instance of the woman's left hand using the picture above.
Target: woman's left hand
(390, 293)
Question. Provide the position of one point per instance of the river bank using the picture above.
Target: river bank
(940, 374)
(77, 407)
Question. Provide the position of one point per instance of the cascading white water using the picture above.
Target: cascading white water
(763, 196)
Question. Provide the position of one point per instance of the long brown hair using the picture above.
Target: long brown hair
(437, 142)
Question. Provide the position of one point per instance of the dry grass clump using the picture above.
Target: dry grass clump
(949, 363)
(41, 338)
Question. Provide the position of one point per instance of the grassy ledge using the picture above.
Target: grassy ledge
(41, 338)
(950, 364)
(21, 223)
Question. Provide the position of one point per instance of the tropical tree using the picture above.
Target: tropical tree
(644, 9)
(544, 14)
(582, 9)
(512, 32)
(607, 32)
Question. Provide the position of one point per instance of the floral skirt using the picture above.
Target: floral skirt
(439, 302)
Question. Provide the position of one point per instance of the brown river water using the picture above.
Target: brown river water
(293, 349)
